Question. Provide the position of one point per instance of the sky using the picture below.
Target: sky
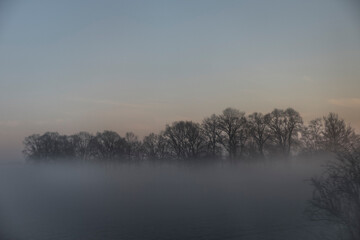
(86, 65)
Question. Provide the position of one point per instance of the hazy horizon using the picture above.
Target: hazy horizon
(72, 66)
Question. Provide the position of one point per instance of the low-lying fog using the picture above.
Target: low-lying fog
(158, 201)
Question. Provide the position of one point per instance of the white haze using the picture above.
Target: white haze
(158, 201)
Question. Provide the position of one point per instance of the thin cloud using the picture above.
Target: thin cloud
(115, 103)
(12, 123)
(307, 79)
(345, 102)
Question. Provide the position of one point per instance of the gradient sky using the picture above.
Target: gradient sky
(86, 65)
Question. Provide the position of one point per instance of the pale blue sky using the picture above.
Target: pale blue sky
(71, 66)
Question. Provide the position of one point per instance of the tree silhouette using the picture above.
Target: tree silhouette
(212, 135)
(259, 130)
(155, 146)
(336, 196)
(185, 139)
(337, 135)
(47, 147)
(232, 123)
(312, 137)
(107, 145)
(133, 146)
(285, 127)
(81, 144)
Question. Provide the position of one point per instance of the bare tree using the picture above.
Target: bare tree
(337, 134)
(285, 127)
(162, 147)
(81, 143)
(49, 146)
(155, 146)
(107, 145)
(149, 146)
(133, 145)
(33, 147)
(312, 137)
(259, 130)
(232, 123)
(336, 196)
(212, 135)
(185, 139)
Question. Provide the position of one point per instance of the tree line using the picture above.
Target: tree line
(235, 135)
(231, 134)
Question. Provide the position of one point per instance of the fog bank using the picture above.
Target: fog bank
(158, 201)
